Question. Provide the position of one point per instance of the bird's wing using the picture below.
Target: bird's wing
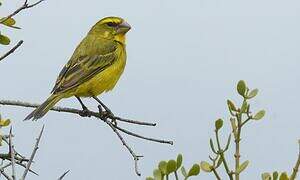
(85, 68)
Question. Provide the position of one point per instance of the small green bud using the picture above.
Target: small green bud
(219, 124)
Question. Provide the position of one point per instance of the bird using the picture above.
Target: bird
(94, 68)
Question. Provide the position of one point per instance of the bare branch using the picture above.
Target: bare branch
(23, 7)
(5, 166)
(24, 166)
(104, 116)
(63, 175)
(36, 147)
(12, 155)
(5, 175)
(12, 50)
(71, 110)
(142, 137)
(135, 157)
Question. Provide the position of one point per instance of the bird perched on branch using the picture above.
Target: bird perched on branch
(95, 66)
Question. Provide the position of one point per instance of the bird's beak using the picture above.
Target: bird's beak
(123, 28)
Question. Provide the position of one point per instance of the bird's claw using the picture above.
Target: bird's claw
(85, 113)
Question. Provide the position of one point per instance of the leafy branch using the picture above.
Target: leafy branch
(10, 22)
(166, 168)
(239, 117)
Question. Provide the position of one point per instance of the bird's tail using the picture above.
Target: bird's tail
(40, 111)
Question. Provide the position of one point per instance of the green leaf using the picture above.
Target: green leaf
(8, 22)
(275, 175)
(4, 40)
(157, 174)
(171, 166)
(183, 171)
(284, 176)
(219, 124)
(194, 171)
(162, 166)
(259, 115)
(266, 176)
(179, 161)
(252, 93)
(230, 105)
(242, 167)
(4, 122)
(205, 166)
(241, 88)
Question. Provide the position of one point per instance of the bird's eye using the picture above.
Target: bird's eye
(112, 24)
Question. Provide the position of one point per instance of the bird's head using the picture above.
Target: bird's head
(112, 28)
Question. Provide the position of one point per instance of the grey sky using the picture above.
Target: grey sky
(184, 59)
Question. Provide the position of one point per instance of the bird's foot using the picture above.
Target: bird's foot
(107, 114)
(85, 112)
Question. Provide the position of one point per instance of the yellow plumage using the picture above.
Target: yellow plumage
(104, 81)
(95, 66)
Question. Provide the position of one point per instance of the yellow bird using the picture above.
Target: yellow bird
(95, 66)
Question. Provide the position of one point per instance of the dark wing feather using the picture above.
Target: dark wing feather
(85, 68)
(60, 76)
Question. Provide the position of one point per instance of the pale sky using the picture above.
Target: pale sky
(184, 60)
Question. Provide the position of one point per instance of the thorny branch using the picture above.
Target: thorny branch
(107, 117)
(4, 174)
(63, 175)
(13, 157)
(36, 147)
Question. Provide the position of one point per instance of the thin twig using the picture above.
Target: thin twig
(63, 175)
(143, 137)
(12, 155)
(11, 50)
(36, 147)
(221, 153)
(21, 158)
(135, 157)
(24, 6)
(5, 175)
(296, 168)
(134, 122)
(5, 166)
(216, 174)
(24, 166)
